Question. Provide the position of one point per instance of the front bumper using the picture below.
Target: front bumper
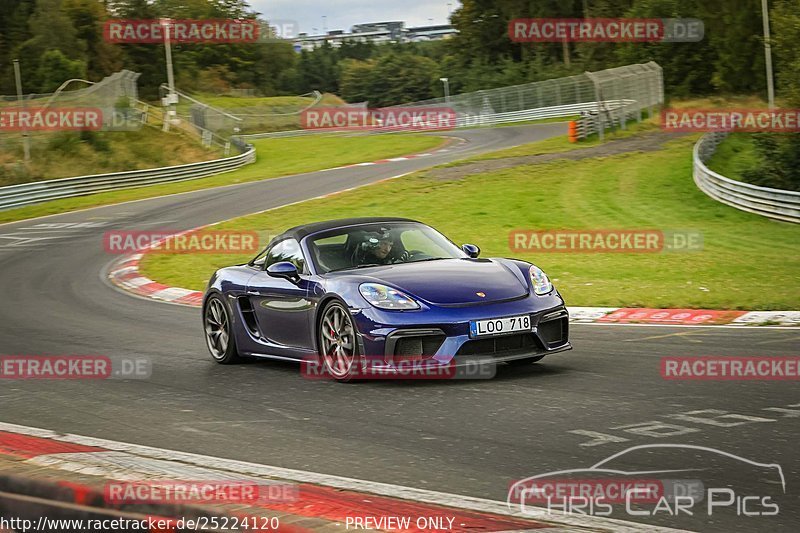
(441, 336)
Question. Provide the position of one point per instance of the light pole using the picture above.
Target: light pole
(172, 98)
(26, 142)
(768, 54)
(446, 82)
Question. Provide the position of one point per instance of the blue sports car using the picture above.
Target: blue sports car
(378, 292)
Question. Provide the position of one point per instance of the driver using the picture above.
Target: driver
(381, 252)
(380, 249)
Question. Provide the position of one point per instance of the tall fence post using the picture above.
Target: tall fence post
(598, 98)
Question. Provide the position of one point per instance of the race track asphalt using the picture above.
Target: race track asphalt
(465, 437)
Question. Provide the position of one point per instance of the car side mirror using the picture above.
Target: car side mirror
(285, 270)
(471, 250)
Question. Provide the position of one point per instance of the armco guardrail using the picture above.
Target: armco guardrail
(557, 111)
(278, 134)
(42, 191)
(772, 203)
(471, 121)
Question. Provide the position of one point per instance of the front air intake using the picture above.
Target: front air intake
(554, 332)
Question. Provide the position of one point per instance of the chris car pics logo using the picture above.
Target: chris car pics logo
(655, 490)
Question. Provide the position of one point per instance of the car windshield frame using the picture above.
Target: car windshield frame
(309, 246)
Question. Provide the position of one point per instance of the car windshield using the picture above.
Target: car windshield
(379, 244)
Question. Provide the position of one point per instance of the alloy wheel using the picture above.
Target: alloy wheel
(338, 341)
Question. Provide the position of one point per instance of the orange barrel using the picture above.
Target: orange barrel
(573, 131)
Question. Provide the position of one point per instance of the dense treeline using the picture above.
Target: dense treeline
(61, 39)
(56, 40)
(779, 153)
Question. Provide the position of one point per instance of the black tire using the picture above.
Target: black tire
(218, 327)
(337, 338)
(526, 361)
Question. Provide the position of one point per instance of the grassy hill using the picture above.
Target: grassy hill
(64, 154)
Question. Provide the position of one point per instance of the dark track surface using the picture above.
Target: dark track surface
(466, 437)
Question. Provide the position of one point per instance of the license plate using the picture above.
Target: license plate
(499, 326)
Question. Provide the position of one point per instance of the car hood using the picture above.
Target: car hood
(450, 281)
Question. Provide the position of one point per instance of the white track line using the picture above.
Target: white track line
(146, 454)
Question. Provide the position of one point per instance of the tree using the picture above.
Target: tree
(55, 68)
(318, 70)
(785, 19)
(733, 30)
(87, 17)
(779, 153)
(354, 80)
(146, 59)
(14, 29)
(688, 67)
(402, 78)
(50, 29)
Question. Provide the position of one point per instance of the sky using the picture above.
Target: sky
(342, 14)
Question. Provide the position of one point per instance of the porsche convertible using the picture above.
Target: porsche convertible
(378, 292)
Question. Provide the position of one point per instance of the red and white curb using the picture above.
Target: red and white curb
(125, 275)
(324, 496)
(682, 317)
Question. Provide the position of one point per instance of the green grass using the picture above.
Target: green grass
(562, 144)
(65, 154)
(267, 103)
(276, 157)
(735, 155)
(748, 262)
(227, 102)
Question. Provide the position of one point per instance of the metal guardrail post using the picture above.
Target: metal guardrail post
(599, 99)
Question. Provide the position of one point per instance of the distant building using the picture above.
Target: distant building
(394, 29)
(430, 33)
(376, 32)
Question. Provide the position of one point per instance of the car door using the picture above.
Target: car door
(282, 308)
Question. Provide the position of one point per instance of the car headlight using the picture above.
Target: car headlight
(540, 281)
(384, 297)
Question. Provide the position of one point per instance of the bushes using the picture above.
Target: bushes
(68, 142)
(64, 142)
(779, 161)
